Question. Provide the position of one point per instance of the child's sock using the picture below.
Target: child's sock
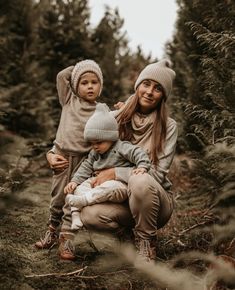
(76, 221)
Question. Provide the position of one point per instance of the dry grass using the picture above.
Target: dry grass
(23, 267)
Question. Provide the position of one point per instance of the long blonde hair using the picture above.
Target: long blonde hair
(159, 126)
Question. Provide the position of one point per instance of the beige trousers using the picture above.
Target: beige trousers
(149, 207)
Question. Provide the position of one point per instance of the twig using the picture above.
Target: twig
(193, 226)
(56, 274)
(101, 275)
(130, 285)
(186, 230)
(88, 277)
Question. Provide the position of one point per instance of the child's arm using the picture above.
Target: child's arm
(85, 170)
(135, 155)
(63, 85)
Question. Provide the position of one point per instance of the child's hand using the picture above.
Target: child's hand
(139, 170)
(118, 105)
(69, 188)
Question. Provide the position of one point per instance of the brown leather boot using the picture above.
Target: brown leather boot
(146, 248)
(50, 239)
(66, 248)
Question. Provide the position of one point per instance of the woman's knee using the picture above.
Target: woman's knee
(89, 216)
(105, 217)
(139, 185)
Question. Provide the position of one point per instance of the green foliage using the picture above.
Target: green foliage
(221, 159)
(203, 54)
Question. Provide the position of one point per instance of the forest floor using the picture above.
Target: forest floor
(23, 267)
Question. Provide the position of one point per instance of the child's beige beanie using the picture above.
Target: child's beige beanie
(82, 67)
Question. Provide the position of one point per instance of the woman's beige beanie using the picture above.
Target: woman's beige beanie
(160, 72)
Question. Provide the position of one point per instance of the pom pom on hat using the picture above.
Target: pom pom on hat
(160, 72)
(101, 126)
(82, 67)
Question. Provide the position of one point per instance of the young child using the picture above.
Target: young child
(78, 88)
(108, 151)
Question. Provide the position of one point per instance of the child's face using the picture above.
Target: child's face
(101, 146)
(89, 87)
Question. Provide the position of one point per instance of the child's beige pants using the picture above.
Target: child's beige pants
(59, 181)
(111, 190)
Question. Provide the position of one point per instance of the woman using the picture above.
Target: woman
(143, 120)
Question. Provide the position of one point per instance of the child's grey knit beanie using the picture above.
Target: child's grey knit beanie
(101, 126)
(82, 67)
(160, 72)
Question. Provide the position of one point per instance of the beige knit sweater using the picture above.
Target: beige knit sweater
(75, 113)
(142, 128)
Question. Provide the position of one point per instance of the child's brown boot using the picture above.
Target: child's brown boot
(50, 239)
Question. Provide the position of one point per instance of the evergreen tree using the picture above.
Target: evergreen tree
(202, 51)
(110, 50)
(63, 35)
(14, 33)
(24, 104)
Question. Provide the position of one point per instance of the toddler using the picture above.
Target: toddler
(108, 151)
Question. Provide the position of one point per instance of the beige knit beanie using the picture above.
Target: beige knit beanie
(83, 67)
(160, 72)
(101, 126)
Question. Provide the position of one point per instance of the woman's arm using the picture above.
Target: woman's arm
(102, 176)
(117, 173)
(166, 157)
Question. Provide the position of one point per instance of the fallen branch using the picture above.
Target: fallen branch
(57, 274)
(73, 273)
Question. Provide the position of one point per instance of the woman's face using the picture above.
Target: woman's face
(149, 94)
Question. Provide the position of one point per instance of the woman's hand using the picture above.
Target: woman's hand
(69, 188)
(139, 170)
(57, 162)
(102, 176)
